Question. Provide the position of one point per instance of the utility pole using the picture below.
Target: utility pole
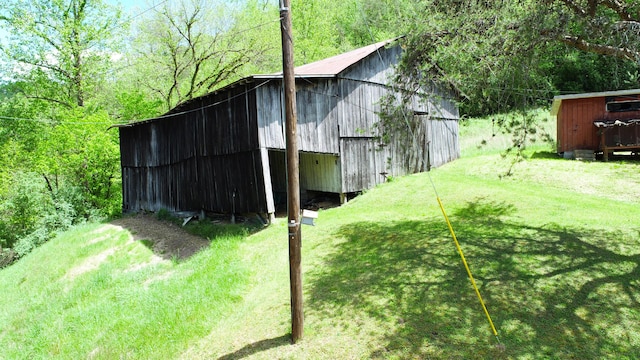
(293, 178)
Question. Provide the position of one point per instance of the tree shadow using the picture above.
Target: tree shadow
(549, 155)
(552, 292)
(166, 239)
(257, 347)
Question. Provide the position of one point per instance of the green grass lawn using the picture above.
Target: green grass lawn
(554, 249)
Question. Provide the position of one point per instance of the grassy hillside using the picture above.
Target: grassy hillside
(554, 249)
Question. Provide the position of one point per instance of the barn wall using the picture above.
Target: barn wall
(438, 103)
(232, 183)
(430, 143)
(316, 114)
(270, 115)
(443, 143)
(361, 90)
(225, 122)
(316, 103)
(229, 183)
(407, 150)
(153, 143)
(231, 142)
(204, 159)
(362, 164)
(143, 188)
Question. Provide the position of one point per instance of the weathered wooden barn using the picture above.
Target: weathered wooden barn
(224, 152)
(603, 121)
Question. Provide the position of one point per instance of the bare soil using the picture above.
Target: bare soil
(166, 239)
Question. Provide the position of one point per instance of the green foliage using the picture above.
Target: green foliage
(186, 49)
(24, 206)
(325, 28)
(258, 22)
(81, 152)
(32, 213)
(55, 174)
(572, 71)
(61, 48)
(506, 56)
(164, 215)
(135, 105)
(212, 231)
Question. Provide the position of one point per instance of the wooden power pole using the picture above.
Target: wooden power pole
(293, 178)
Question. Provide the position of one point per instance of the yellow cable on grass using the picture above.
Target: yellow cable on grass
(466, 266)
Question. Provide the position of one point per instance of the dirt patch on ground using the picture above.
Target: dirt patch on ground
(166, 239)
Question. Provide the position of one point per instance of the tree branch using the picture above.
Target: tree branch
(620, 8)
(619, 52)
(45, 98)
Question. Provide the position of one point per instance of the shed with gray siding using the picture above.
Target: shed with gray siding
(224, 152)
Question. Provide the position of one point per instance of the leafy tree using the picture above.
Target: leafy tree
(80, 152)
(508, 55)
(186, 49)
(363, 22)
(58, 49)
(604, 27)
(258, 22)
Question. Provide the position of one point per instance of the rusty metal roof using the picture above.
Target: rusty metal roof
(328, 67)
(336, 64)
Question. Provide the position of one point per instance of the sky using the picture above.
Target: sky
(131, 7)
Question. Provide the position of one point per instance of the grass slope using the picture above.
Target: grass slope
(554, 250)
(95, 293)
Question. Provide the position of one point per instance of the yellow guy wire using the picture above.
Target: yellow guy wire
(464, 261)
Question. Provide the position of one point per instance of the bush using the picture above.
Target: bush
(32, 240)
(7, 256)
(32, 212)
(23, 206)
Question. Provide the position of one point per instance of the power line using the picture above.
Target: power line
(244, 93)
(129, 19)
(54, 122)
(362, 107)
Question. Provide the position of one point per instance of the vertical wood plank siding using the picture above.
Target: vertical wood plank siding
(575, 127)
(197, 159)
(361, 164)
(364, 159)
(443, 142)
(317, 118)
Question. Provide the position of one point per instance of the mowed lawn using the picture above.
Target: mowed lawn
(554, 249)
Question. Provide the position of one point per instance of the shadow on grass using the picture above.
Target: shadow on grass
(552, 292)
(257, 347)
(172, 241)
(550, 155)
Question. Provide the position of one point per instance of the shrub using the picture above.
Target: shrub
(164, 215)
(23, 206)
(33, 212)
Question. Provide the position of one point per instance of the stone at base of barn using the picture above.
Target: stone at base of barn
(584, 155)
(581, 155)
